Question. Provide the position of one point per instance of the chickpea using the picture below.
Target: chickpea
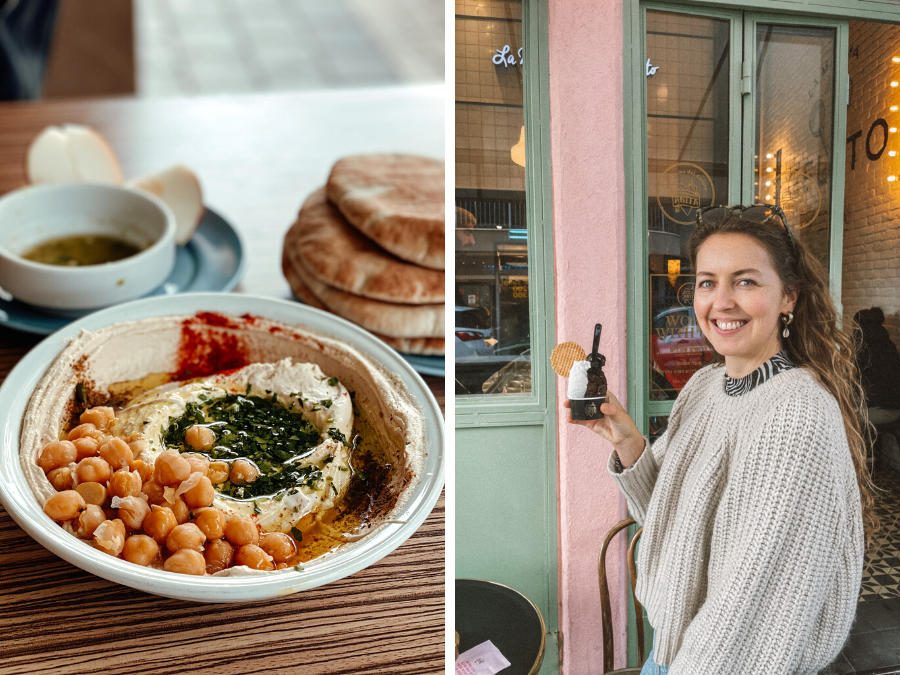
(125, 483)
(253, 557)
(64, 505)
(243, 471)
(278, 545)
(186, 535)
(140, 549)
(88, 521)
(218, 472)
(101, 417)
(93, 493)
(110, 536)
(200, 495)
(186, 561)
(56, 454)
(181, 511)
(138, 446)
(111, 513)
(116, 453)
(62, 478)
(155, 493)
(171, 468)
(93, 470)
(83, 430)
(219, 555)
(159, 523)
(144, 469)
(198, 463)
(86, 447)
(281, 566)
(133, 511)
(200, 438)
(242, 531)
(212, 523)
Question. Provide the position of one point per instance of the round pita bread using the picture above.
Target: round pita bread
(423, 346)
(340, 257)
(395, 200)
(391, 320)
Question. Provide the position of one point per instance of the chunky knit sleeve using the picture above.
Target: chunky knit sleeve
(783, 553)
(637, 481)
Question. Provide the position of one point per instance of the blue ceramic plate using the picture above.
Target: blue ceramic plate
(213, 260)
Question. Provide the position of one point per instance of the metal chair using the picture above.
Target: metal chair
(486, 610)
(606, 611)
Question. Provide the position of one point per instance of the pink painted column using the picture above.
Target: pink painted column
(588, 182)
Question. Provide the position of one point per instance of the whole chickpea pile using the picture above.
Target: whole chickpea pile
(131, 510)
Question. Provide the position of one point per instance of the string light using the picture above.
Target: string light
(894, 83)
(768, 183)
(768, 197)
(892, 153)
(768, 155)
(893, 130)
(896, 59)
(893, 108)
(891, 179)
(768, 169)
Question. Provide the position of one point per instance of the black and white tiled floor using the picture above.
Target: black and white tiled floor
(874, 644)
(881, 574)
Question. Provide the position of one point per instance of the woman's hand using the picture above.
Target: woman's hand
(617, 427)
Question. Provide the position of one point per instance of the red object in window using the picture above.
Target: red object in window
(466, 335)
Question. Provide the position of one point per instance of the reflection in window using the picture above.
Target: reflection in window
(687, 153)
(492, 326)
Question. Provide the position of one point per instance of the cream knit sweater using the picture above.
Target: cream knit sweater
(752, 551)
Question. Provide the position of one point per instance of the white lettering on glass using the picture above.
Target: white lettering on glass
(505, 59)
(651, 70)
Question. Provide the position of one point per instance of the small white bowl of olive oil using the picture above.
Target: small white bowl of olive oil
(82, 246)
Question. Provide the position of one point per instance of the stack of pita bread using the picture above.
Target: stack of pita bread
(370, 247)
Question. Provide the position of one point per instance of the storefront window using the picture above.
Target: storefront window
(687, 151)
(492, 326)
(794, 128)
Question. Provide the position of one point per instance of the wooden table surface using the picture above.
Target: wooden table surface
(257, 158)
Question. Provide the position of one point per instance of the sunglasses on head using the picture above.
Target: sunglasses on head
(757, 213)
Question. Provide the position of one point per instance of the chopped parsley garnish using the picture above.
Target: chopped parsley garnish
(80, 394)
(297, 534)
(326, 403)
(333, 381)
(259, 429)
(337, 435)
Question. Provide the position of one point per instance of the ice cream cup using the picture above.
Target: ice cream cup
(587, 408)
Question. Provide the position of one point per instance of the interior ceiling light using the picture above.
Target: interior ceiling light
(517, 152)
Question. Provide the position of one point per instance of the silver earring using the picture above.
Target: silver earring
(786, 320)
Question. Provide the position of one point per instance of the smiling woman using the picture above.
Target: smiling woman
(754, 500)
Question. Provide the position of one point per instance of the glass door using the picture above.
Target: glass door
(739, 108)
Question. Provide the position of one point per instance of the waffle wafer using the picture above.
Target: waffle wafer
(564, 355)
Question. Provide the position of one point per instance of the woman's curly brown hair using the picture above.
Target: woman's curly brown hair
(815, 341)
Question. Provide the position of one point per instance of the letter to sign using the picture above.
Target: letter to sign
(651, 70)
(505, 59)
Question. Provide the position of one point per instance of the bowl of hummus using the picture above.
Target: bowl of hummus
(218, 448)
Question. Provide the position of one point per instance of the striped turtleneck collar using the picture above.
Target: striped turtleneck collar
(779, 362)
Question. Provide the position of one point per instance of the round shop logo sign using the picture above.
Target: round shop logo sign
(800, 198)
(690, 189)
(686, 294)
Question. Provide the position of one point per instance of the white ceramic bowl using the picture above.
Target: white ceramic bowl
(35, 214)
(25, 510)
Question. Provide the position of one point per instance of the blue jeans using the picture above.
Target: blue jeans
(651, 667)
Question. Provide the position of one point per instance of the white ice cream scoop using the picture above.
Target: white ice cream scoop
(578, 379)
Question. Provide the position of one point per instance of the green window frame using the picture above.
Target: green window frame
(538, 406)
